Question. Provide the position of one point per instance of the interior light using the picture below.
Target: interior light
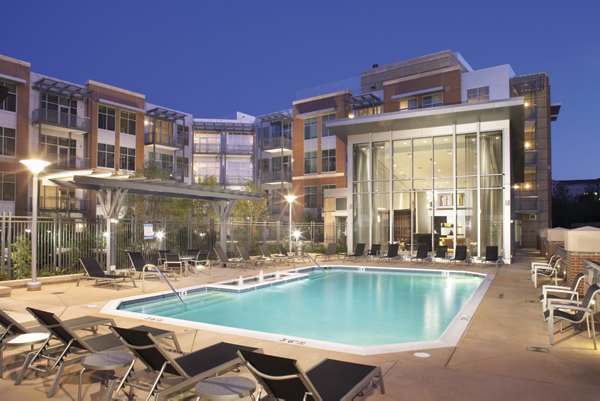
(526, 104)
(516, 186)
(527, 145)
(527, 186)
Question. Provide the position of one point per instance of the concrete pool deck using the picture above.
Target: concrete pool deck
(495, 359)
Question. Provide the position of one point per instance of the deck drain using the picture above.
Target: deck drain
(422, 354)
(57, 292)
(500, 296)
(538, 349)
(531, 301)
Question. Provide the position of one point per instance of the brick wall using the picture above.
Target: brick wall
(574, 264)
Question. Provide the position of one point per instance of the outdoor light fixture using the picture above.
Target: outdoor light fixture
(36, 167)
(159, 235)
(351, 115)
(290, 198)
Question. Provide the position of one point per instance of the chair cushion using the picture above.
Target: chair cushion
(334, 379)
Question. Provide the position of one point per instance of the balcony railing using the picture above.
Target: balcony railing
(235, 180)
(276, 176)
(239, 149)
(57, 118)
(277, 143)
(164, 140)
(207, 148)
(74, 163)
(63, 203)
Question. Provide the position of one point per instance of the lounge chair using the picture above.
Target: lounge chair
(269, 257)
(422, 253)
(359, 251)
(173, 263)
(93, 271)
(224, 260)
(441, 253)
(189, 368)
(573, 311)
(374, 251)
(551, 292)
(245, 255)
(140, 266)
(162, 255)
(391, 253)
(200, 262)
(543, 270)
(491, 255)
(329, 251)
(330, 379)
(281, 249)
(72, 344)
(460, 255)
(12, 329)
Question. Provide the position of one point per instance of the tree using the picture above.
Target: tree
(256, 210)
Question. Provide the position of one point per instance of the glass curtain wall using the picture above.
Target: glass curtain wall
(430, 205)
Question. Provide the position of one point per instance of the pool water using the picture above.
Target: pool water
(345, 306)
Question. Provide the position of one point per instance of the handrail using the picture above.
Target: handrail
(168, 282)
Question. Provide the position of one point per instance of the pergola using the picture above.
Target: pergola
(111, 192)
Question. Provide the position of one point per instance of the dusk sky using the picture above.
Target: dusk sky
(211, 59)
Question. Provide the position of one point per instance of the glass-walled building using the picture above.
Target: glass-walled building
(438, 177)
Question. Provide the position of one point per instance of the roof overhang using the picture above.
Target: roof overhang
(509, 109)
(159, 188)
(166, 114)
(554, 110)
(61, 88)
(226, 126)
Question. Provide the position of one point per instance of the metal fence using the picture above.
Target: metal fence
(62, 241)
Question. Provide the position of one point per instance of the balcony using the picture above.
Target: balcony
(276, 177)
(239, 149)
(276, 144)
(67, 163)
(64, 204)
(168, 142)
(237, 180)
(207, 148)
(64, 121)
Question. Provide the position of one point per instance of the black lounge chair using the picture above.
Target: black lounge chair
(268, 256)
(93, 271)
(460, 255)
(441, 253)
(329, 380)
(573, 312)
(491, 255)
(189, 368)
(162, 255)
(329, 251)
(224, 260)
(12, 329)
(392, 252)
(550, 293)
(245, 255)
(281, 249)
(199, 262)
(140, 266)
(374, 251)
(422, 253)
(359, 250)
(73, 344)
(172, 263)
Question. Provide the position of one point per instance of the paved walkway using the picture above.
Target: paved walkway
(495, 359)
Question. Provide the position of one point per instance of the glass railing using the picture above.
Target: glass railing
(64, 203)
(237, 180)
(276, 176)
(240, 149)
(68, 162)
(67, 120)
(207, 148)
(158, 139)
(276, 143)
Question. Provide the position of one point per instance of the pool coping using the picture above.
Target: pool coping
(449, 337)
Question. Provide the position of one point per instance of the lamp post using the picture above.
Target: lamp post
(290, 198)
(36, 167)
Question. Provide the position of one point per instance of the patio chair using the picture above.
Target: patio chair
(552, 292)
(543, 270)
(269, 257)
(441, 253)
(188, 368)
(422, 253)
(93, 271)
(172, 263)
(13, 329)
(245, 255)
(491, 255)
(140, 266)
(329, 251)
(200, 262)
(391, 253)
(547, 264)
(460, 255)
(330, 379)
(224, 260)
(72, 343)
(162, 255)
(374, 251)
(573, 311)
(359, 251)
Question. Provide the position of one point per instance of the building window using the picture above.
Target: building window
(328, 162)
(310, 128)
(60, 151)
(106, 118)
(10, 103)
(183, 164)
(323, 188)
(310, 197)
(433, 100)
(127, 158)
(163, 161)
(183, 135)
(409, 103)
(106, 155)
(368, 111)
(477, 95)
(128, 122)
(310, 162)
(8, 186)
(324, 120)
(7, 141)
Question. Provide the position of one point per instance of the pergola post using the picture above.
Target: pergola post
(110, 201)
(223, 209)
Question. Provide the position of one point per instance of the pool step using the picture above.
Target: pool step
(198, 299)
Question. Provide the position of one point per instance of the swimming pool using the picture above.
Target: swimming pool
(358, 310)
